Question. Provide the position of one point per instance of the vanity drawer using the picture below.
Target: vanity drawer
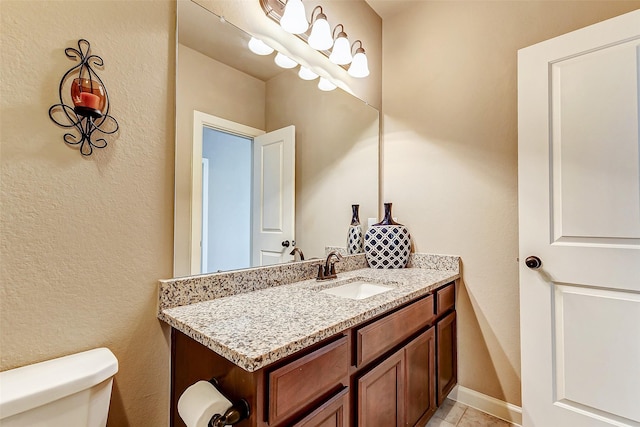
(445, 298)
(303, 382)
(376, 338)
(333, 413)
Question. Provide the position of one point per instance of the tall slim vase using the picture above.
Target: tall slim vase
(387, 244)
(355, 237)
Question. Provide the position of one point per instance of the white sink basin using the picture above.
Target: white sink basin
(357, 290)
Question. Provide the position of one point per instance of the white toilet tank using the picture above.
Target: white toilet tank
(71, 391)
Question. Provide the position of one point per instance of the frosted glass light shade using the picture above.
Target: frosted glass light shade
(359, 66)
(306, 74)
(259, 47)
(284, 61)
(320, 37)
(294, 19)
(325, 85)
(341, 53)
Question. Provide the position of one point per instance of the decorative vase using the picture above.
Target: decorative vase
(355, 237)
(387, 244)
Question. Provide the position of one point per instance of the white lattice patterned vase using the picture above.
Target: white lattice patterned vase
(355, 240)
(387, 244)
(355, 236)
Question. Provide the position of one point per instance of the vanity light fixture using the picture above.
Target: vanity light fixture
(325, 85)
(294, 19)
(320, 37)
(306, 74)
(284, 61)
(259, 47)
(341, 53)
(89, 115)
(359, 66)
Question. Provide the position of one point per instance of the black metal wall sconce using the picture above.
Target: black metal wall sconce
(89, 113)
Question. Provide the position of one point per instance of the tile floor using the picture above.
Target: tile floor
(454, 414)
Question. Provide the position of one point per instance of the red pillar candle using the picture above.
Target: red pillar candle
(89, 100)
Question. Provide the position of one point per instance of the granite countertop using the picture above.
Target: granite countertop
(254, 329)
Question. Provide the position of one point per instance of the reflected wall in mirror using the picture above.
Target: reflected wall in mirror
(336, 141)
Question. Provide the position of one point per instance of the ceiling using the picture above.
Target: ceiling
(205, 32)
(387, 8)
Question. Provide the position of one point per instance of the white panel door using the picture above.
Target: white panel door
(273, 196)
(579, 204)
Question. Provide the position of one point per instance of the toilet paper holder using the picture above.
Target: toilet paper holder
(237, 412)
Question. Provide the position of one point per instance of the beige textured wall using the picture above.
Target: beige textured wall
(450, 155)
(84, 240)
(211, 87)
(336, 158)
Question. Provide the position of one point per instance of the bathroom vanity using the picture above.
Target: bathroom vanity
(303, 354)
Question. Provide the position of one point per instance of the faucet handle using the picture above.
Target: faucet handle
(320, 272)
(332, 268)
(332, 265)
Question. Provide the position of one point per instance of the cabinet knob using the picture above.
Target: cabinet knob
(533, 262)
(286, 243)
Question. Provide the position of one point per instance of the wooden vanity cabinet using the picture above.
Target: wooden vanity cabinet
(393, 370)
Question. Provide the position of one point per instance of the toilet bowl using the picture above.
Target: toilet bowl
(74, 390)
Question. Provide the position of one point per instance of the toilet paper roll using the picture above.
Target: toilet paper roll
(200, 402)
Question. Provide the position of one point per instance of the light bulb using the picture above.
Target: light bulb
(306, 74)
(341, 53)
(320, 37)
(325, 85)
(259, 47)
(359, 66)
(294, 19)
(284, 61)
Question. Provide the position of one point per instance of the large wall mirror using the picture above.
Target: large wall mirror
(235, 111)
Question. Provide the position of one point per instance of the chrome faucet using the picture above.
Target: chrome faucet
(328, 270)
(293, 252)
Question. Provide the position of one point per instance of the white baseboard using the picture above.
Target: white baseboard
(488, 404)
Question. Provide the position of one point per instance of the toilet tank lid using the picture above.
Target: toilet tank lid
(28, 387)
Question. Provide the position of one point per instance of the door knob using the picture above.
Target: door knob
(533, 262)
(286, 243)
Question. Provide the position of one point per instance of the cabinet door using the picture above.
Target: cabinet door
(446, 355)
(334, 413)
(420, 396)
(381, 394)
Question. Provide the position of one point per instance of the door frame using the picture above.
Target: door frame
(200, 121)
(204, 245)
